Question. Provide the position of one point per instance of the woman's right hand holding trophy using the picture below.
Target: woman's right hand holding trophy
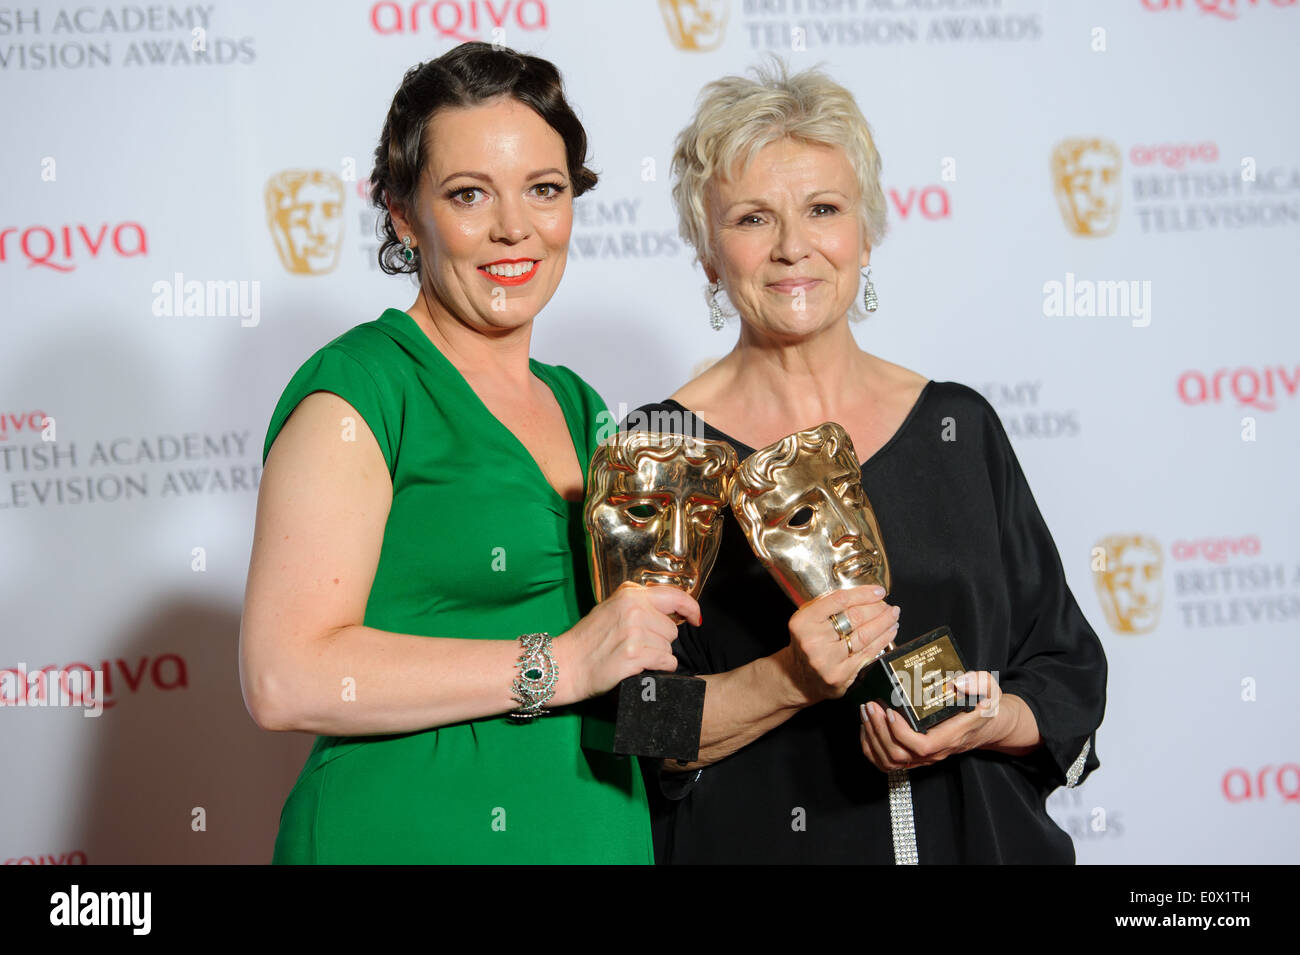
(822, 663)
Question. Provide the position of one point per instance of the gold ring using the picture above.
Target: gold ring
(849, 641)
(842, 624)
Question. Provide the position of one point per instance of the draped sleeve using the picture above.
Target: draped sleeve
(1056, 664)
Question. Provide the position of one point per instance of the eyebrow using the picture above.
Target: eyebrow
(808, 198)
(472, 174)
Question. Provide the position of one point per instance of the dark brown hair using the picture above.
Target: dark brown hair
(465, 76)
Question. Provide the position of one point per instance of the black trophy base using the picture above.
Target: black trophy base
(655, 714)
(916, 680)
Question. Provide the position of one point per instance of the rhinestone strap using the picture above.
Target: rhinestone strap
(901, 822)
(1076, 768)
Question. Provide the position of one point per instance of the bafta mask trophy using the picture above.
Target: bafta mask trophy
(653, 516)
(1129, 584)
(1086, 178)
(801, 505)
(304, 210)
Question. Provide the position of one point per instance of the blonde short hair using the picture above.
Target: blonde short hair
(737, 116)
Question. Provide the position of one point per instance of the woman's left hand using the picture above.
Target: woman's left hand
(890, 743)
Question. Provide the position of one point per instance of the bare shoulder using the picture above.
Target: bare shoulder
(708, 382)
(325, 435)
(325, 489)
(901, 384)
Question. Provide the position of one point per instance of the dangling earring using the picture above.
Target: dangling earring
(408, 253)
(716, 321)
(869, 293)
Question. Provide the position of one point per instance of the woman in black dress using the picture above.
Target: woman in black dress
(777, 188)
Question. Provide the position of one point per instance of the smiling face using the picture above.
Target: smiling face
(654, 510)
(492, 214)
(787, 242)
(801, 505)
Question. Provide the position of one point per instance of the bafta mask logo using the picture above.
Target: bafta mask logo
(1130, 585)
(695, 25)
(304, 210)
(653, 509)
(801, 505)
(1086, 178)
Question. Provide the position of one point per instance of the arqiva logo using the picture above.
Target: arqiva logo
(1223, 9)
(1239, 786)
(24, 421)
(76, 857)
(1216, 550)
(22, 687)
(59, 247)
(1252, 388)
(928, 202)
(1174, 155)
(462, 20)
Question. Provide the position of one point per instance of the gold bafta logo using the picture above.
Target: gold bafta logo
(1086, 178)
(1127, 569)
(695, 25)
(304, 210)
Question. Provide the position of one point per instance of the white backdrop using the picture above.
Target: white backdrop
(130, 432)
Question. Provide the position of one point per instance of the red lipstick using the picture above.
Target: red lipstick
(510, 279)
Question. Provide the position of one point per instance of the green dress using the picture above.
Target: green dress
(478, 545)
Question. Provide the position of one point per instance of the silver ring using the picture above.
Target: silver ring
(842, 624)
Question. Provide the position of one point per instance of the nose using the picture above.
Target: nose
(316, 219)
(791, 241)
(511, 222)
(838, 526)
(673, 536)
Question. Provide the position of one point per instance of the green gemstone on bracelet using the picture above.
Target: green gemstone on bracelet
(533, 673)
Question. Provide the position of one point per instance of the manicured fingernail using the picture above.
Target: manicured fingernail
(961, 682)
(896, 611)
(879, 591)
(863, 710)
(889, 715)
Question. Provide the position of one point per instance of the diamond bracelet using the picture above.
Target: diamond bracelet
(538, 675)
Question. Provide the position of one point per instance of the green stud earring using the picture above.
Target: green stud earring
(408, 253)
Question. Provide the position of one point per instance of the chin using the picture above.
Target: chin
(516, 316)
(801, 330)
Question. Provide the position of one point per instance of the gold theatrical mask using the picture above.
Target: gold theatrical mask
(304, 210)
(801, 505)
(654, 517)
(653, 509)
(696, 25)
(1086, 178)
(1130, 583)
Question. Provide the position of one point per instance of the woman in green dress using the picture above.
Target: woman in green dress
(418, 583)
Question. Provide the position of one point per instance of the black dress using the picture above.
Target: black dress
(968, 548)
